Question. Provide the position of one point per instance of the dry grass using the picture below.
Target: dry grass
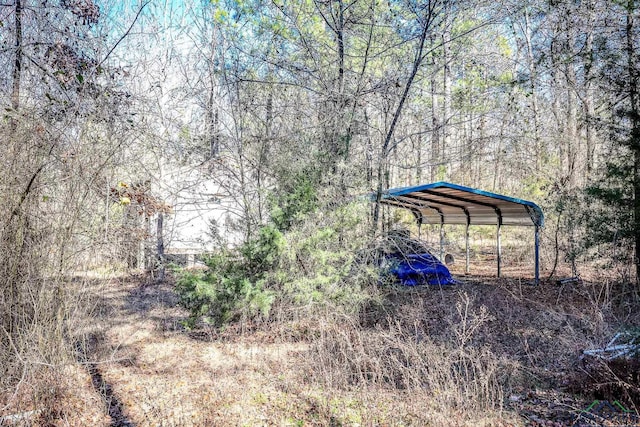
(54, 396)
(163, 375)
(486, 352)
(461, 381)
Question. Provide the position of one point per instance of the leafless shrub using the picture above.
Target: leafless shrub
(44, 223)
(32, 304)
(610, 380)
(454, 376)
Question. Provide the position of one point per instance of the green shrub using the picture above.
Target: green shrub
(232, 287)
(320, 261)
(294, 200)
(312, 266)
(263, 253)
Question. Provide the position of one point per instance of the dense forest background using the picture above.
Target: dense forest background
(296, 109)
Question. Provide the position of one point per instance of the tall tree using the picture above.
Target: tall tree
(427, 18)
(616, 194)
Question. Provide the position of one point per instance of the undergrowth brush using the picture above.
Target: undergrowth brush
(454, 377)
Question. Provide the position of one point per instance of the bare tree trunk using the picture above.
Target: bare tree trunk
(336, 140)
(160, 246)
(635, 128)
(14, 229)
(571, 129)
(480, 148)
(264, 154)
(533, 78)
(446, 87)
(368, 154)
(466, 167)
(590, 129)
(340, 39)
(436, 125)
(556, 78)
(17, 65)
(213, 133)
(589, 109)
(384, 152)
(417, 149)
(571, 124)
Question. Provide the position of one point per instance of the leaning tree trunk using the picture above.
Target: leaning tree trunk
(386, 146)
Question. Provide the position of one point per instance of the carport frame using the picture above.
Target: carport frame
(478, 206)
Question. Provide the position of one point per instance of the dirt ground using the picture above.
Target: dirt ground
(149, 371)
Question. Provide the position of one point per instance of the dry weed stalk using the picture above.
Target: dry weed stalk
(452, 377)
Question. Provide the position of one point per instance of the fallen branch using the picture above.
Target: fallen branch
(614, 351)
(18, 418)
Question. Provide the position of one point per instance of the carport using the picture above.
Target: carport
(445, 203)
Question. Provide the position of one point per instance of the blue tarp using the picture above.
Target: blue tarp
(419, 269)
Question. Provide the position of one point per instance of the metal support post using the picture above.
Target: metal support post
(466, 241)
(537, 255)
(499, 247)
(441, 238)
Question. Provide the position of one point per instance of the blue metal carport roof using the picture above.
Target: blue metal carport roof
(443, 202)
(447, 203)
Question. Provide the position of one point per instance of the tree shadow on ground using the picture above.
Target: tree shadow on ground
(86, 351)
